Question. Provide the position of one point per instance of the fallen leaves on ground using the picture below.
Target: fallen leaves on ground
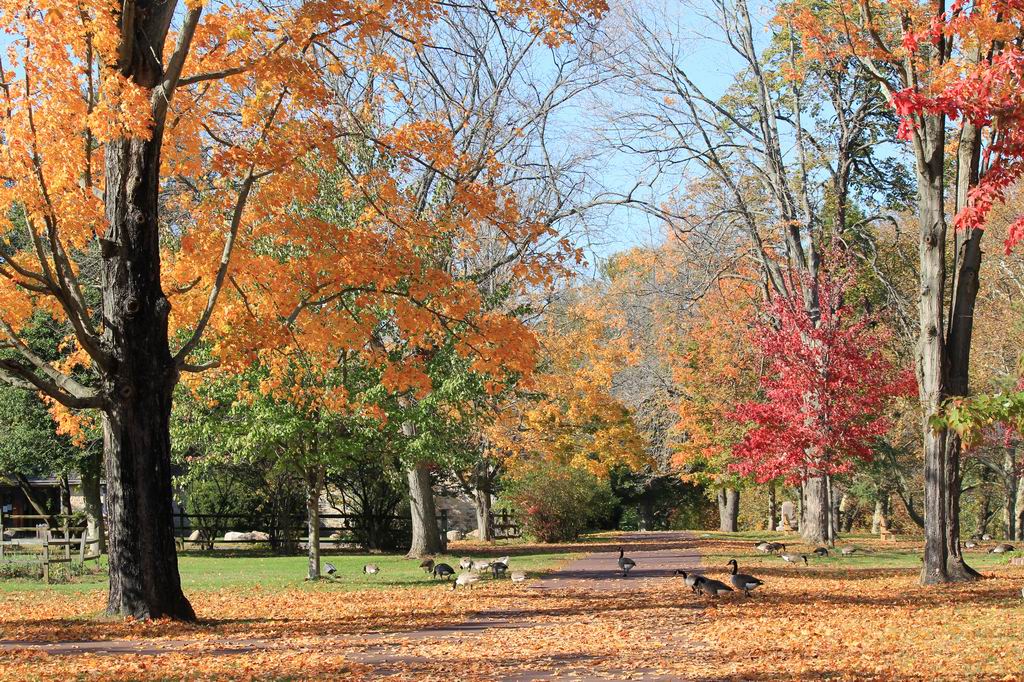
(833, 620)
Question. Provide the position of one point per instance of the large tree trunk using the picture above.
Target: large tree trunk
(728, 510)
(816, 516)
(138, 374)
(91, 493)
(426, 537)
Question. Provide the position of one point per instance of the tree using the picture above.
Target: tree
(784, 152)
(154, 135)
(938, 64)
(826, 388)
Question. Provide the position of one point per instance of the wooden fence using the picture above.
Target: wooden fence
(49, 542)
(504, 525)
(336, 530)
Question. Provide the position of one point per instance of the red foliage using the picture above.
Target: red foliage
(825, 390)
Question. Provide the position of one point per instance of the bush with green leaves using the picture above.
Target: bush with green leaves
(555, 502)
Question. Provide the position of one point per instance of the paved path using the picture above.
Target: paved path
(657, 556)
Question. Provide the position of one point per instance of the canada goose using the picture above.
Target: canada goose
(499, 568)
(742, 581)
(442, 571)
(774, 547)
(763, 546)
(986, 536)
(465, 563)
(711, 587)
(970, 544)
(371, 569)
(625, 563)
(1001, 548)
(518, 576)
(503, 560)
(821, 551)
(849, 551)
(480, 566)
(794, 558)
(466, 580)
(690, 579)
(427, 565)
(330, 569)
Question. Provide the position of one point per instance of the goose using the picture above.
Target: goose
(1001, 548)
(371, 569)
(427, 565)
(742, 581)
(849, 551)
(821, 551)
(763, 546)
(480, 566)
(518, 576)
(711, 587)
(690, 579)
(503, 560)
(330, 569)
(466, 580)
(499, 567)
(774, 547)
(465, 563)
(442, 571)
(970, 544)
(625, 563)
(794, 558)
(986, 536)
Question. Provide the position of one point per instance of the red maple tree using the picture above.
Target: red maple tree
(827, 384)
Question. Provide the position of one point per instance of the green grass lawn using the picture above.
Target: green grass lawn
(870, 554)
(231, 569)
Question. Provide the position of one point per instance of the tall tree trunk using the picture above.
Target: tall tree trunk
(314, 486)
(815, 528)
(1020, 509)
(426, 537)
(139, 374)
(482, 500)
(65, 495)
(91, 493)
(773, 507)
(931, 358)
(985, 504)
(728, 510)
(879, 520)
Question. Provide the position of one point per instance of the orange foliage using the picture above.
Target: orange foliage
(716, 370)
(250, 132)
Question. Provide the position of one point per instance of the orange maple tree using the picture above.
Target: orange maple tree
(155, 159)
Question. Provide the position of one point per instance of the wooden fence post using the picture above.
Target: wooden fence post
(46, 557)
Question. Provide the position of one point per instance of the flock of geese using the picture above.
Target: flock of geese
(472, 569)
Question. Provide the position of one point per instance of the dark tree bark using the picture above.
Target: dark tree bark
(728, 510)
(90, 473)
(773, 507)
(140, 373)
(815, 527)
(426, 536)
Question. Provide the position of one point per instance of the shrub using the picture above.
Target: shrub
(556, 502)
